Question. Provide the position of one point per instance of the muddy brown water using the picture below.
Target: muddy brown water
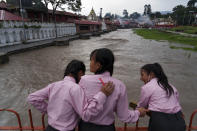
(29, 71)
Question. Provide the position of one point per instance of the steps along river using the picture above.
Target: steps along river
(29, 71)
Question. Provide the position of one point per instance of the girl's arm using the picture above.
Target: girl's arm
(144, 97)
(122, 108)
(86, 108)
(38, 99)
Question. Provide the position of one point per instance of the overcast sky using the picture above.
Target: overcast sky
(117, 6)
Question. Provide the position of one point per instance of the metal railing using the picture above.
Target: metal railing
(42, 127)
(20, 127)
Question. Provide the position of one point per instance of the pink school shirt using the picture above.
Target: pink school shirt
(117, 102)
(155, 98)
(66, 103)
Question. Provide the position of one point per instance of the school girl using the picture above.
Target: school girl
(162, 99)
(64, 101)
(101, 64)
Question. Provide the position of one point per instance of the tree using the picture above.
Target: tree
(116, 16)
(125, 13)
(74, 5)
(135, 15)
(179, 13)
(39, 5)
(108, 15)
(113, 16)
(156, 15)
(147, 10)
(191, 3)
(192, 9)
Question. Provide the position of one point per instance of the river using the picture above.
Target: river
(29, 71)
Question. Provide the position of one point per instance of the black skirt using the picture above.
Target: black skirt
(50, 128)
(166, 122)
(86, 126)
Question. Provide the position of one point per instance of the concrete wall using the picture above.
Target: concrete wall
(12, 32)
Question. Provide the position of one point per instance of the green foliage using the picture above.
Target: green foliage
(39, 5)
(191, 3)
(147, 10)
(27, 27)
(185, 15)
(162, 35)
(155, 15)
(74, 5)
(125, 13)
(184, 48)
(108, 15)
(179, 14)
(35, 26)
(135, 15)
(185, 29)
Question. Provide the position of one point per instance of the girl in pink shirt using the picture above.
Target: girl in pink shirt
(161, 98)
(63, 101)
(101, 64)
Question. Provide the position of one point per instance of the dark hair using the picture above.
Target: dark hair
(106, 58)
(160, 75)
(73, 69)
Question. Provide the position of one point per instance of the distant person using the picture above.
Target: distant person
(102, 64)
(162, 99)
(64, 101)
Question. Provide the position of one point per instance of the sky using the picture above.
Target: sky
(117, 6)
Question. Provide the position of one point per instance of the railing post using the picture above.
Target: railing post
(125, 126)
(43, 124)
(31, 121)
(17, 115)
(191, 120)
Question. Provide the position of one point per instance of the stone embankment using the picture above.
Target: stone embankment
(16, 38)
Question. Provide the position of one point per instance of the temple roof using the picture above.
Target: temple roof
(5, 15)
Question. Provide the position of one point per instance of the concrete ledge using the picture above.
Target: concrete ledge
(18, 48)
(96, 34)
(61, 42)
(4, 58)
(85, 36)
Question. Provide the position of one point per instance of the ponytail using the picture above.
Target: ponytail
(160, 75)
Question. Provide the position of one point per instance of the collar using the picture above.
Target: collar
(153, 79)
(106, 73)
(69, 78)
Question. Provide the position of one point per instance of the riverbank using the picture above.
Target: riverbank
(5, 51)
(159, 35)
(185, 29)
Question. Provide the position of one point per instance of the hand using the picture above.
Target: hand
(108, 88)
(133, 105)
(142, 111)
(148, 113)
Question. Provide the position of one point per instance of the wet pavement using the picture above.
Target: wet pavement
(29, 71)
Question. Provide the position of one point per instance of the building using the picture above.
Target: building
(92, 16)
(86, 26)
(164, 22)
(7, 16)
(39, 14)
